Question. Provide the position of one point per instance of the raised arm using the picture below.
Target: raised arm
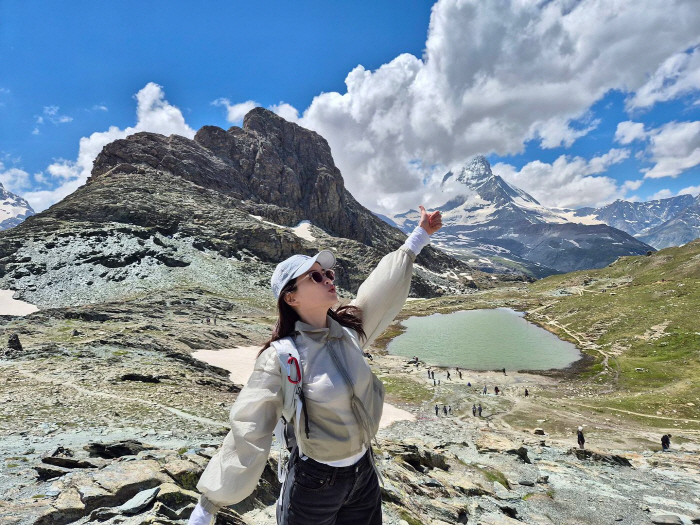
(382, 295)
(234, 471)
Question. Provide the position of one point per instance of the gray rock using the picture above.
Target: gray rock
(139, 502)
(666, 519)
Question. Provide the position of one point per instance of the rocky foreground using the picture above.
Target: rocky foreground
(106, 436)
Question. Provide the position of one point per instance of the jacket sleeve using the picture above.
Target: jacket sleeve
(382, 295)
(233, 472)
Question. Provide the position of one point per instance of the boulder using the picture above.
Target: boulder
(490, 442)
(185, 473)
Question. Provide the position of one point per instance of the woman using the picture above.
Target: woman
(334, 479)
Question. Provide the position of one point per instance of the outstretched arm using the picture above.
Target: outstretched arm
(382, 295)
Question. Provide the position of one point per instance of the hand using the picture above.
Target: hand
(200, 516)
(430, 222)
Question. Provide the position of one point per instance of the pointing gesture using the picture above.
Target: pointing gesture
(430, 222)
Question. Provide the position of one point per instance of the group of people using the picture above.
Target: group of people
(665, 440)
(446, 410)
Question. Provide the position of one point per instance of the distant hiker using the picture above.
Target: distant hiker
(448, 374)
(479, 409)
(434, 382)
(368, 356)
(214, 319)
(438, 382)
(429, 374)
(496, 390)
(469, 383)
(449, 409)
(334, 420)
(460, 374)
(504, 372)
(444, 410)
(666, 442)
(433, 374)
(474, 410)
(207, 320)
(581, 439)
(437, 410)
(526, 393)
(485, 390)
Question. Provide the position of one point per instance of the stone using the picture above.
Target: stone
(539, 432)
(139, 502)
(13, 343)
(666, 519)
(176, 497)
(47, 472)
(610, 459)
(114, 450)
(490, 442)
(185, 473)
(69, 463)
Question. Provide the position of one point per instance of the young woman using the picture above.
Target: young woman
(334, 479)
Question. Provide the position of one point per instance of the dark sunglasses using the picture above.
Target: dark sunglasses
(319, 276)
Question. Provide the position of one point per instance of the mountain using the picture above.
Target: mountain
(216, 213)
(13, 209)
(640, 219)
(501, 228)
(681, 229)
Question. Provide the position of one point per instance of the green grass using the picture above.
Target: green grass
(406, 389)
(408, 518)
(492, 474)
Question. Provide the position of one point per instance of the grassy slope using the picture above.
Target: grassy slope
(639, 312)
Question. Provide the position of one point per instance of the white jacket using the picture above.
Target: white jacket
(335, 433)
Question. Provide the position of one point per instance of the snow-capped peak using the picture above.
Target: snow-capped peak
(13, 209)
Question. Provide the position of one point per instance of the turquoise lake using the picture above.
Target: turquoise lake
(483, 340)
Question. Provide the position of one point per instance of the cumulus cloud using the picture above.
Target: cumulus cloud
(661, 194)
(494, 75)
(99, 107)
(570, 182)
(674, 148)
(678, 75)
(235, 112)
(286, 111)
(154, 114)
(629, 131)
(14, 179)
(690, 190)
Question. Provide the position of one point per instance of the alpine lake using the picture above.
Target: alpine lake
(483, 340)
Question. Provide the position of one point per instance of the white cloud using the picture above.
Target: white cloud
(13, 179)
(154, 114)
(35, 131)
(661, 194)
(4, 90)
(690, 190)
(570, 182)
(235, 112)
(629, 131)
(674, 148)
(99, 107)
(286, 111)
(50, 110)
(494, 75)
(678, 75)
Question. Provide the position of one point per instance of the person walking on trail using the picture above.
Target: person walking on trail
(444, 410)
(448, 374)
(474, 410)
(527, 392)
(437, 410)
(504, 372)
(485, 390)
(460, 373)
(479, 409)
(429, 374)
(433, 374)
(581, 438)
(666, 442)
(449, 409)
(333, 400)
(496, 390)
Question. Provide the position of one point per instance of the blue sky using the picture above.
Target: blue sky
(70, 73)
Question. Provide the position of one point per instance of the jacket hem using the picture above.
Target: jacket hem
(208, 505)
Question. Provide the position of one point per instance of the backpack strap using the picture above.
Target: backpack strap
(293, 394)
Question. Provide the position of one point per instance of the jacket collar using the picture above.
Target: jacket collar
(334, 330)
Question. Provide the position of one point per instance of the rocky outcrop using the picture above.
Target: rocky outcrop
(217, 212)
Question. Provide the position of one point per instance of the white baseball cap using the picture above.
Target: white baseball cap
(296, 265)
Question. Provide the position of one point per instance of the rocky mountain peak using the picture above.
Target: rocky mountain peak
(478, 170)
(13, 209)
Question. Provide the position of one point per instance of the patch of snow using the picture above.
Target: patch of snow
(10, 306)
(303, 230)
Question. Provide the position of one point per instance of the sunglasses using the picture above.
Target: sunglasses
(319, 276)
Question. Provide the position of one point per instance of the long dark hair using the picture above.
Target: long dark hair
(346, 315)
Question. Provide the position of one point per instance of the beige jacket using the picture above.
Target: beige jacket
(335, 432)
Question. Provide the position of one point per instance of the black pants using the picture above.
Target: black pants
(318, 494)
